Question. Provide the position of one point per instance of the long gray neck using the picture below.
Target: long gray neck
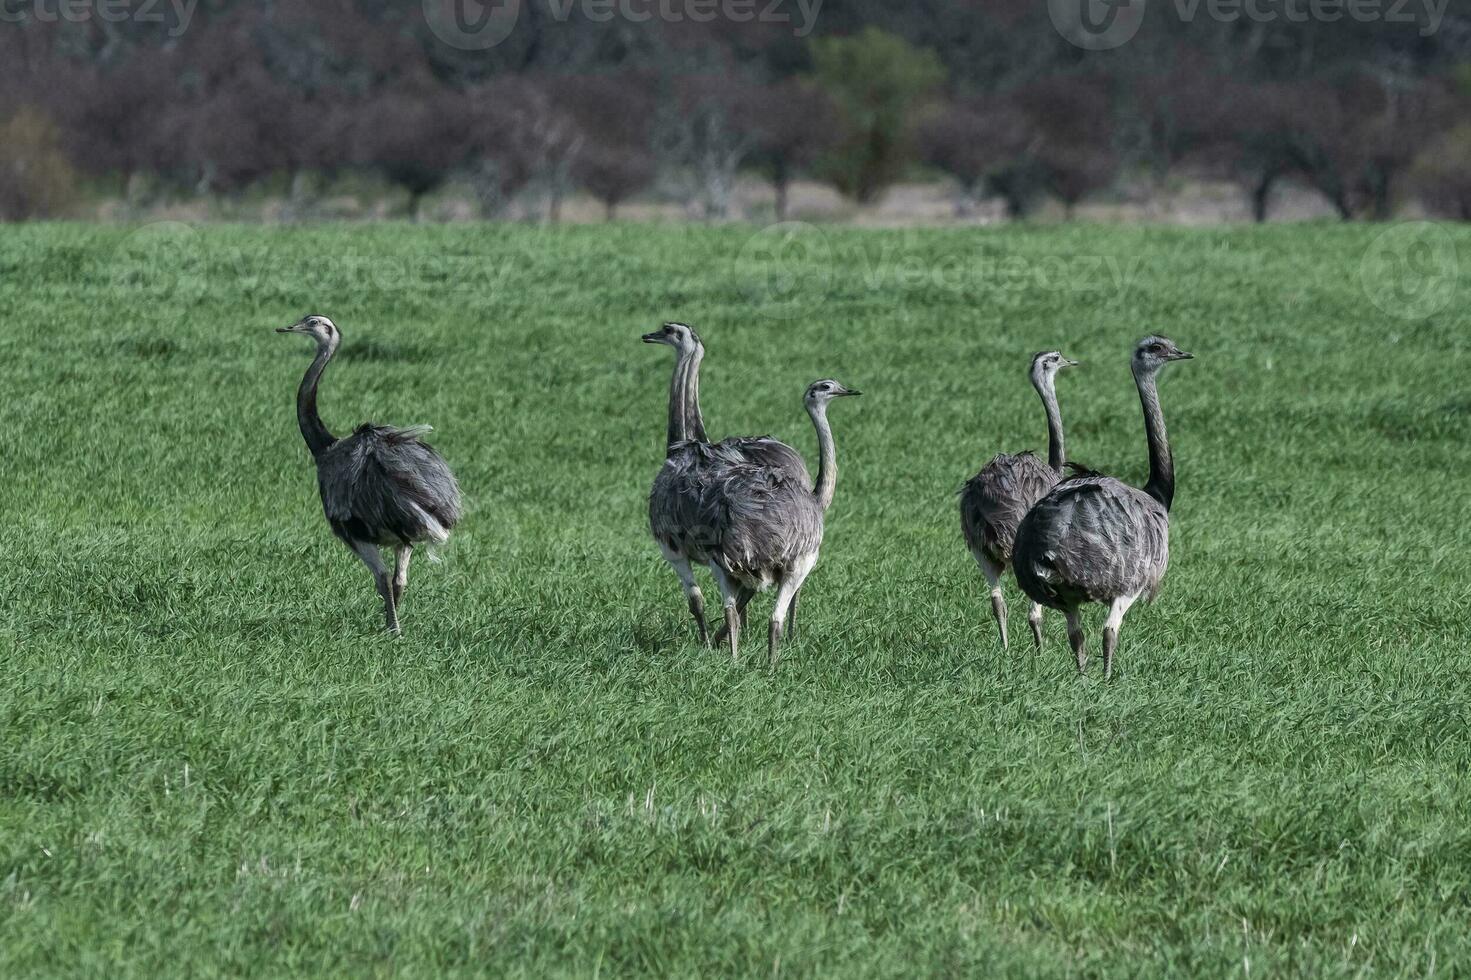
(694, 422)
(1046, 385)
(318, 439)
(827, 456)
(1161, 485)
(677, 385)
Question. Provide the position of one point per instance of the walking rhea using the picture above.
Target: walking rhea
(1097, 539)
(994, 501)
(381, 487)
(690, 459)
(766, 525)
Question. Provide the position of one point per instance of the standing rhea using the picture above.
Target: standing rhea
(1097, 539)
(672, 494)
(381, 487)
(765, 524)
(690, 460)
(994, 501)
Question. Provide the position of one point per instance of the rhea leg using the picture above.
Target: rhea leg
(401, 556)
(1075, 637)
(792, 615)
(692, 592)
(786, 595)
(992, 570)
(1034, 620)
(730, 594)
(743, 599)
(371, 557)
(1116, 611)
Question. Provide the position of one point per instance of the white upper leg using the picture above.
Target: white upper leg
(729, 591)
(990, 569)
(681, 565)
(791, 584)
(1116, 611)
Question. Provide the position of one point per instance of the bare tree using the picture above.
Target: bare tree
(706, 131)
(1072, 119)
(36, 179)
(1441, 175)
(987, 145)
(415, 139)
(614, 113)
(794, 124)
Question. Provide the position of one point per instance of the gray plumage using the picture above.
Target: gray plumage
(994, 501)
(1097, 539)
(678, 501)
(381, 486)
(758, 525)
(1093, 539)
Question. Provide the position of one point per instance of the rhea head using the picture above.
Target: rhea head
(677, 335)
(819, 393)
(1153, 353)
(1047, 363)
(319, 328)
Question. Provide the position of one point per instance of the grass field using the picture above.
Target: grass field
(211, 761)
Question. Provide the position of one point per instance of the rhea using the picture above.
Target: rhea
(381, 487)
(690, 460)
(671, 499)
(765, 525)
(1097, 539)
(994, 501)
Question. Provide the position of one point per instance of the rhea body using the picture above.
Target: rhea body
(760, 525)
(690, 463)
(994, 501)
(1094, 538)
(381, 487)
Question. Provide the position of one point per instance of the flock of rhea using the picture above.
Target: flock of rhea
(748, 510)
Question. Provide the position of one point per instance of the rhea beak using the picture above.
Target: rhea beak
(849, 391)
(294, 328)
(1180, 355)
(1073, 363)
(657, 337)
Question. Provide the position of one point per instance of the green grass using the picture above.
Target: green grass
(212, 762)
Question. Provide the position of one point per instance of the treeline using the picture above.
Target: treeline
(988, 93)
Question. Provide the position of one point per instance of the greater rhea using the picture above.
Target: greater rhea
(670, 499)
(690, 460)
(994, 501)
(764, 524)
(381, 487)
(1097, 539)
